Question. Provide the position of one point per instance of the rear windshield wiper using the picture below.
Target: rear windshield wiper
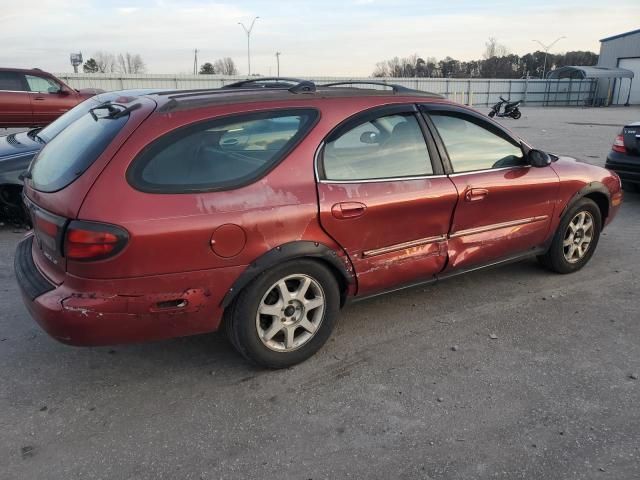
(114, 111)
(33, 134)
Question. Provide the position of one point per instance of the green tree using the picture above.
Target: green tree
(207, 69)
(90, 66)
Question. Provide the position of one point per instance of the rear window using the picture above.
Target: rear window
(49, 132)
(69, 154)
(221, 154)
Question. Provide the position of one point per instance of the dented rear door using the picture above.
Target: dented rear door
(383, 198)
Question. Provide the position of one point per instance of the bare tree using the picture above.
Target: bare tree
(411, 66)
(130, 63)
(105, 62)
(494, 49)
(225, 66)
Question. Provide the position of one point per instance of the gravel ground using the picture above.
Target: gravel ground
(412, 384)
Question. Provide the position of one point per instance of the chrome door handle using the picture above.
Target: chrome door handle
(344, 210)
(475, 194)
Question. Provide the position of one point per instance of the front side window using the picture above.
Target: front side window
(42, 85)
(471, 146)
(391, 146)
(11, 81)
(221, 154)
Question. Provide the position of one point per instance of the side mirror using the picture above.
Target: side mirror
(538, 158)
(369, 137)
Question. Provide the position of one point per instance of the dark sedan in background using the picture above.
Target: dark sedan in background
(18, 149)
(624, 158)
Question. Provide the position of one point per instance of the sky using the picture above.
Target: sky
(329, 37)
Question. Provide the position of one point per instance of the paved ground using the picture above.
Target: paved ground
(550, 398)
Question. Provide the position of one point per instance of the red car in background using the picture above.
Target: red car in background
(266, 209)
(33, 98)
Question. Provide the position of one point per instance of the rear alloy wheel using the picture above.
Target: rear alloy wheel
(285, 315)
(575, 239)
(290, 313)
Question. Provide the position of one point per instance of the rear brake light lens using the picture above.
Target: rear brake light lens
(87, 241)
(618, 145)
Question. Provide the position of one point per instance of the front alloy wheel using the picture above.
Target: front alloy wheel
(575, 239)
(578, 237)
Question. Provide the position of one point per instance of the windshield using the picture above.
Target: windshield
(74, 150)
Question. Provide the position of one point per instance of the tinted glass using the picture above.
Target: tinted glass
(387, 147)
(221, 154)
(11, 81)
(68, 155)
(54, 128)
(472, 147)
(39, 84)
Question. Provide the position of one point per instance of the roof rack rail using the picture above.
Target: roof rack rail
(294, 85)
(277, 82)
(396, 88)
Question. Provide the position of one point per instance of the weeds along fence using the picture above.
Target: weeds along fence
(478, 92)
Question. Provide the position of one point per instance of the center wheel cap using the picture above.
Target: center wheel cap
(289, 311)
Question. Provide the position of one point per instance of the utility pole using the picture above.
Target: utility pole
(248, 32)
(546, 51)
(278, 63)
(195, 61)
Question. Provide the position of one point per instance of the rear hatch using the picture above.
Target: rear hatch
(631, 136)
(60, 177)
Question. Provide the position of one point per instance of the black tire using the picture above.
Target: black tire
(492, 113)
(516, 115)
(240, 317)
(554, 259)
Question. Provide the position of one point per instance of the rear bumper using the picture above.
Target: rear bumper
(97, 314)
(626, 166)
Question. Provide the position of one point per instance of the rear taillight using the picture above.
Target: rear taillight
(618, 145)
(87, 241)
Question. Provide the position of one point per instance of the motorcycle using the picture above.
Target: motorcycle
(510, 109)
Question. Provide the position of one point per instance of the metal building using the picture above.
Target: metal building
(623, 51)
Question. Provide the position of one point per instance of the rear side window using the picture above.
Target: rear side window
(221, 154)
(68, 155)
(390, 146)
(12, 81)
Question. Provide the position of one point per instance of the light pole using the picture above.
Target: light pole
(546, 51)
(278, 63)
(248, 32)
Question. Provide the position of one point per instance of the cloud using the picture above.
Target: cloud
(323, 38)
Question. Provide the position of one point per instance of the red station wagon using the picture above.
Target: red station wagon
(266, 209)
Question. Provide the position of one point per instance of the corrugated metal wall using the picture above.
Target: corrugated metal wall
(611, 51)
(627, 46)
(479, 92)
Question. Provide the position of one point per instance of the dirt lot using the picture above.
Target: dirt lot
(389, 397)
